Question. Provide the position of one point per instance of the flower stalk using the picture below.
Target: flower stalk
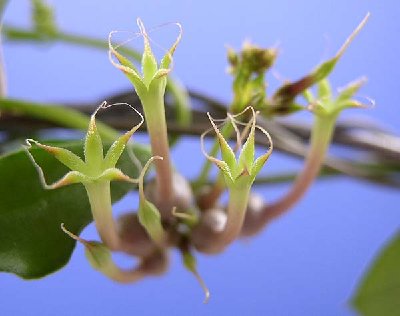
(154, 111)
(100, 201)
(150, 86)
(95, 173)
(239, 175)
(326, 110)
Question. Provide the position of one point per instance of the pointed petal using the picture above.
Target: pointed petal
(246, 157)
(93, 145)
(324, 90)
(222, 165)
(65, 156)
(98, 255)
(149, 216)
(115, 174)
(260, 161)
(190, 263)
(167, 59)
(149, 62)
(117, 148)
(350, 90)
(161, 73)
(126, 66)
(228, 156)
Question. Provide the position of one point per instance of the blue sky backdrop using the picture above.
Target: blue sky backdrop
(307, 262)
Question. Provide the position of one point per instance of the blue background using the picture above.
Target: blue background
(307, 262)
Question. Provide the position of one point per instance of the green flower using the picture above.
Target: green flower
(96, 167)
(153, 76)
(95, 173)
(243, 170)
(328, 105)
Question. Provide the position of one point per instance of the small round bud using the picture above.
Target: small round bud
(257, 59)
(183, 199)
(135, 239)
(212, 223)
(252, 224)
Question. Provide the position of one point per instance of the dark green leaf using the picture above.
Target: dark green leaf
(379, 292)
(32, 244)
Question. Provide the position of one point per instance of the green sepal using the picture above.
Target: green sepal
(148, 214)
(160, 73)
(190, 263)
(66, 157)
(128, 68)
(167, 58)
(93, 148)
(324, 90)
(114, 174)
(308, 96)
(259, 163)
(350, 90)
(246, 157)
(149, 62)
(150, 218)
(117, 148)
(228, 156)
(99, 257)
(71, 177)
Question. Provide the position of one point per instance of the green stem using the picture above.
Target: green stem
(178, 91)
(154, 110)
(100, 201)
(57, 114)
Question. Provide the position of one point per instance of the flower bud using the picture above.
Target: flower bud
(134, 238)
(212, 223)
(183, 194)
(153, 76)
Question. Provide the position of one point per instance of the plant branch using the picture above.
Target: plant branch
(380, 164)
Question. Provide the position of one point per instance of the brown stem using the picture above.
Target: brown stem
(213, 236)
(320, 140)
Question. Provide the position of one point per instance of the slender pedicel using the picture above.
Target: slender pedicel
(326, 110)
(239, 175)
(150, 87)
(95, 173)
